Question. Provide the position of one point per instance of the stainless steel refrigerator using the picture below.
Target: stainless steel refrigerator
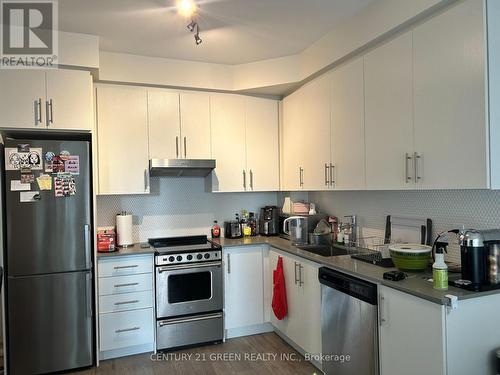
(48, 257)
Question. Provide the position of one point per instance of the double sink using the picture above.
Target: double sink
(329, 250)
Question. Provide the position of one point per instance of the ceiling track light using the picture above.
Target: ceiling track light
(191, 25)
(197, 38)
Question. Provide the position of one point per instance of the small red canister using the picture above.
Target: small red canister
(106, 239)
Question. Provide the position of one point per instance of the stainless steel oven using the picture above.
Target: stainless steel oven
(188, 289)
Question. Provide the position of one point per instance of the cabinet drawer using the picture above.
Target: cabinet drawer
(125, 301)
(123, 329)
(125, 284)
(125, 266)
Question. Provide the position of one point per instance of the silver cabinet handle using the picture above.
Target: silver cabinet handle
(127, 302)
(228, 263)
(381, 303)
(417, 158)
(185, 152)
(127, 329)
(177, 147)
(86, 244)
(146, 180)
(251, 179)
(326, 175)
(190, 319)
(51, 112)
(296, 279)
(408, 157)
(244, 179)
(301, 281)
(332, 174)
(38, 111)
(126, 267)
(301, 176)
(48, 112)
(125, 285)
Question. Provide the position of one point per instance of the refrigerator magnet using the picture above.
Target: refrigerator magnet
(44, 182)
(57, 165)
(17, 185)
(72, 165)
(64, 155)
(27, 178)
(29, 196)
(23, 147)
(15, 160)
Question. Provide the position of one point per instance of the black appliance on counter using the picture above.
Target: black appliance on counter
(269, 221)
(232, 229)
(189, 291)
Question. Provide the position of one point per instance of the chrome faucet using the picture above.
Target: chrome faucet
(353, 224)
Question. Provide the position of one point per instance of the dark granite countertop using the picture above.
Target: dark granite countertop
(135, 249)
(416, 283)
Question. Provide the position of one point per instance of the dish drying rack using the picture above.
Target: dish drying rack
(374, 250)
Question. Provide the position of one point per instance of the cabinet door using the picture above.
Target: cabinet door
(316, 125)
(290, 325)
(262, 144)
(293, 141)
(195, 125)
(310, 301)
(228, 142)
(411, 334)
(450, 99)
(22, 99)
(348, 127)
(164, 125)
(69, 100)
(122, 128)
(388, 115)
(243, 287)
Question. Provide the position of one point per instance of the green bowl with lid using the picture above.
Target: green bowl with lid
(410, 257)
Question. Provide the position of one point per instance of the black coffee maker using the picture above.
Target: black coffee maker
(269, 221)
(479, 257)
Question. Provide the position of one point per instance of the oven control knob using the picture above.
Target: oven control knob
(207, 255)
(179, 258)
(189, 257)
(171, 259)
(199, 256)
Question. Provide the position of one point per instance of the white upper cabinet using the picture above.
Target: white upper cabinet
(22, 99)
(450, 99)
(347, 169)
(52, 99)
(294, 138)
(69, 100)
(262, 144)
(195, 125)
(388, 115)
(316, 122)
(164, 124)
(122, 128)
(228, 142)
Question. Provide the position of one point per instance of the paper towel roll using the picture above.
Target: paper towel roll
(124, 229)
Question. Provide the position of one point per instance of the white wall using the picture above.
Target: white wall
(178, 206)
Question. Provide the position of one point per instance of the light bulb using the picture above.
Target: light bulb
(186, 8)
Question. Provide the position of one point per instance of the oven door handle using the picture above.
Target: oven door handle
(186, 320)
(189, 266)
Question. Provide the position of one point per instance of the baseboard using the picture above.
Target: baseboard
(116, 353)
(248, 330)
(296, 347)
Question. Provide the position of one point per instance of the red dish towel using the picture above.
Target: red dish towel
(279, 304)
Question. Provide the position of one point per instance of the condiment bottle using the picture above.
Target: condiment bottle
(440, 271)
(215, 230)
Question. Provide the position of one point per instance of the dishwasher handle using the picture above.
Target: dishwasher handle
(352, 286)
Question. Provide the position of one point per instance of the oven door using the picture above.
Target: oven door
(188, 289)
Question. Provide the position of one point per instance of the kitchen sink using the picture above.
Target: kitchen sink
(328, 250)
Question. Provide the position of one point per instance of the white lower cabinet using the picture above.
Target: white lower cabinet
(302, 325)
(126, 305)
(243, 290)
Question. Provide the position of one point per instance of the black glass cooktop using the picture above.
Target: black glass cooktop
(182, 244)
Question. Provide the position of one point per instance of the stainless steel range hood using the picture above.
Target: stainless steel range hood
(181, 167)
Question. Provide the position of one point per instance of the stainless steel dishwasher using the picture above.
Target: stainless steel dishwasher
(349, 327)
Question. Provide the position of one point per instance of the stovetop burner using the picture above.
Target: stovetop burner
(184, 244)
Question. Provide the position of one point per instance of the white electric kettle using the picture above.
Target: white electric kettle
(296, 228)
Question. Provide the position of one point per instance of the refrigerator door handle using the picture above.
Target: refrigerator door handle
(86, 238)
(88, 294)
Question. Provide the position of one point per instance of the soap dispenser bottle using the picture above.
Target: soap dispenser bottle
(440, 269)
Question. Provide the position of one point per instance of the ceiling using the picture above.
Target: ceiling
(233, 31)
